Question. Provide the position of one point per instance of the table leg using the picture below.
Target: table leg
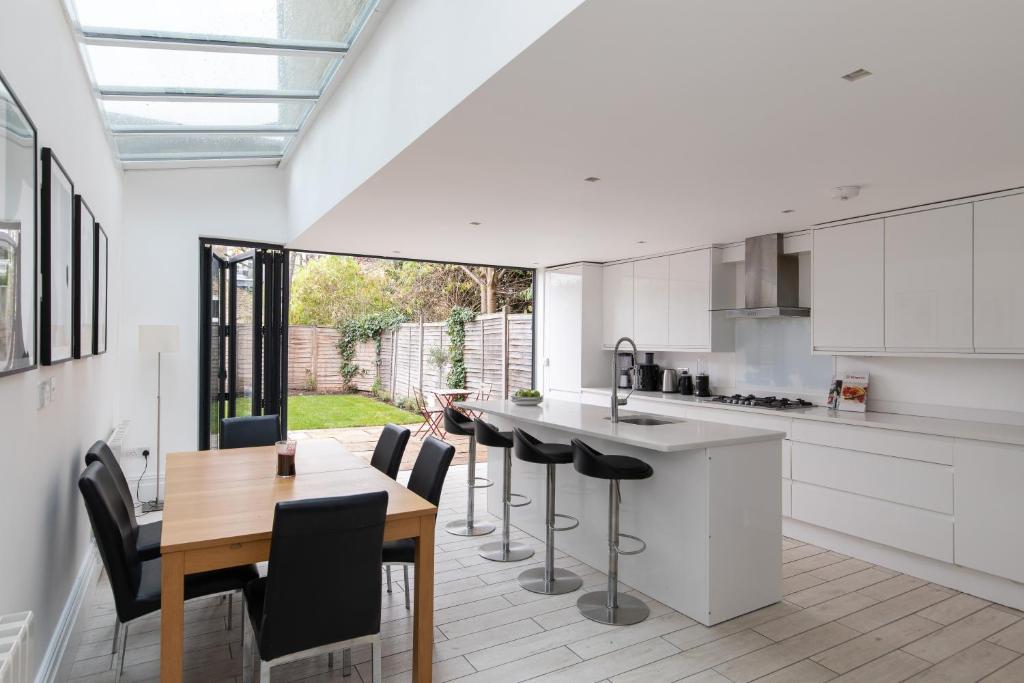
(172, 616)
(423, 616)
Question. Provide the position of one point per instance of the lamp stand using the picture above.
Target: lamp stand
(156, 504)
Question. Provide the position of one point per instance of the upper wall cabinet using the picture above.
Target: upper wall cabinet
(848, 287)
(651, 302)
(998, 285)
(689, 285)
(618, 303)
(929, 281)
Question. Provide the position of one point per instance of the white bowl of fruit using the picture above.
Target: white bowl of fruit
(527, 397)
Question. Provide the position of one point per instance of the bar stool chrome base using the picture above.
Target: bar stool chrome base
(495, 551)
(594, 606)
(563, 581)
(463, 527)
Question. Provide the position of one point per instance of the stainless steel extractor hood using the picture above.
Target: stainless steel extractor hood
(772, 282)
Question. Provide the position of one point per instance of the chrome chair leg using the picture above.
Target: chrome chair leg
(549, 579)
(119, 659)
(231, 608)
(375, 647)
(346, 662)
(470, 526)
(405, 569)
(117, 633)
(387, 568)
(507, 550)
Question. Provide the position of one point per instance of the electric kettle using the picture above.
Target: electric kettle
(668, 381)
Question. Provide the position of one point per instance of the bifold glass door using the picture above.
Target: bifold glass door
(243, 349)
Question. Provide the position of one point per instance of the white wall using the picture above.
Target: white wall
(44, 533)
(165, 213)
(423, 59)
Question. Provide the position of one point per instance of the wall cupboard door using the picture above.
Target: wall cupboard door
(563, 325)
(929, 280)
(617, 321)
(689, 296)
(651, 302)
(989, 507)
(998, 284)
(848, 310)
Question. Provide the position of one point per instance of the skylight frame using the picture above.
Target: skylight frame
(368, 16)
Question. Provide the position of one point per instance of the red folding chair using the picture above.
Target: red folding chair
(432, 419)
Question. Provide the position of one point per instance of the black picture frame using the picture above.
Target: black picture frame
(84, 278)
(19, 237)
(57, 230)
(101, 267)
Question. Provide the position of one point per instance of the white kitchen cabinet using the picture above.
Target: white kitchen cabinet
(651, 302)
(848, 307)
(572, 309)
(689, 294)
(929, 281)
(989, 507)
(617, 286)
(998, 284)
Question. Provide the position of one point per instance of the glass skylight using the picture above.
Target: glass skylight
(212, 80)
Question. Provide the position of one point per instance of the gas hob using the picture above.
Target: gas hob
(764, 402)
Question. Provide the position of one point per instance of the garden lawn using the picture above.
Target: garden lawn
(331, 411)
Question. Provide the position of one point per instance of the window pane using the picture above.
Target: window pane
(299, 20)
(133, 67)
(167, 114)
(188, 146)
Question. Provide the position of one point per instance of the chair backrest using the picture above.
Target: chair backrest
(387, 455)
(115, 536)
(489, 435)
(249, 431)
(457, 422)
(484, 392)
(323, 580)
(427, 477)
(100, 452)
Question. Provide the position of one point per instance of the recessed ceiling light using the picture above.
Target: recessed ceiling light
(474, 222)
(788, 210)
(591, 179)
(641, 241)
(856, 75)
(396, 252)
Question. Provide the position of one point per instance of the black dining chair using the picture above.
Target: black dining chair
(147, 541)
(387, 455)
(426, 481)
(249, 431)
(135, 582)
(322, 589)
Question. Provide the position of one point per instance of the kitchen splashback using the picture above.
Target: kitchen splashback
(775, 355)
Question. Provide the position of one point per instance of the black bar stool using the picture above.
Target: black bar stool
(458, 423)
(548, 579)
(607, 606)
(503, 550)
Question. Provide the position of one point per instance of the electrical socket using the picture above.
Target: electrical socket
(137, 452)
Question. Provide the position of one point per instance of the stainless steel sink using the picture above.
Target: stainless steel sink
(645, 421)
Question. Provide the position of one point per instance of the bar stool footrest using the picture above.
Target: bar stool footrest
(527, 500)
(488, 483)
(569, 527)
(620, 551)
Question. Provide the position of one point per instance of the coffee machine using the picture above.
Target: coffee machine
(625, 363)
(648, 374)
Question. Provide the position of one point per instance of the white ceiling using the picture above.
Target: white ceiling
(704, 120)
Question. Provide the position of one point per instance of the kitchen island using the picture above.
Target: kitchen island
(710, 515)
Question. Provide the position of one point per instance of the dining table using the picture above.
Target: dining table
(219, 512)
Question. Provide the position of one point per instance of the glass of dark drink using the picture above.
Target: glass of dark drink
(286, 458)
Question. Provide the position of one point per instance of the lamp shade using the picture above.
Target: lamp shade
(159, 339)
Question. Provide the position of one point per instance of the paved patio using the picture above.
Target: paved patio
(361, 441)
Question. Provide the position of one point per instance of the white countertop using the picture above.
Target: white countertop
(581, 419)
(958, 429)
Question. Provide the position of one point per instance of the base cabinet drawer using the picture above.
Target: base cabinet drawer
(927, 447)
(989, 508)
(911, 529)
(908, 482)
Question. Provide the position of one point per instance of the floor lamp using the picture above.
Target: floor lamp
(158, 339)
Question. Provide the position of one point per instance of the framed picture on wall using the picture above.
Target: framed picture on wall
(56, 244)
(101, 254)
(18, 182)
(84, 278)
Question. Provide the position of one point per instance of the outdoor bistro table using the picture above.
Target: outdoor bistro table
(446, 398)
(219, 512)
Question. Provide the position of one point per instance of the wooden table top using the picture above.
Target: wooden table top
(228, 496)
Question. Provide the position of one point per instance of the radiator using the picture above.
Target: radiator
(117, 438)
(15, 632)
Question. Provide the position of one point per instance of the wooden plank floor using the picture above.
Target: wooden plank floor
(842, 620)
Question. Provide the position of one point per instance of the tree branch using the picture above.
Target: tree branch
(472, 276)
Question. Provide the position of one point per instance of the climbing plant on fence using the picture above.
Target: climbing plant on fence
(457, 320)
(370, 326)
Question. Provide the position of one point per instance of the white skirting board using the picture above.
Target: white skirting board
(980, 584)
(55, 651)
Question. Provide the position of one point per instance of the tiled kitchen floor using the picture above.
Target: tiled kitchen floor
(842, 620)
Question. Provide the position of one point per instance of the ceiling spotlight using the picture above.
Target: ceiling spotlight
(789, 211)
(591, 179)
(641, 241)
(856, 75)
(396, 252)
(474, 222)
(844, 192)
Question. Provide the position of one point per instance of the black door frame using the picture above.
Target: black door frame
(270, 346)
